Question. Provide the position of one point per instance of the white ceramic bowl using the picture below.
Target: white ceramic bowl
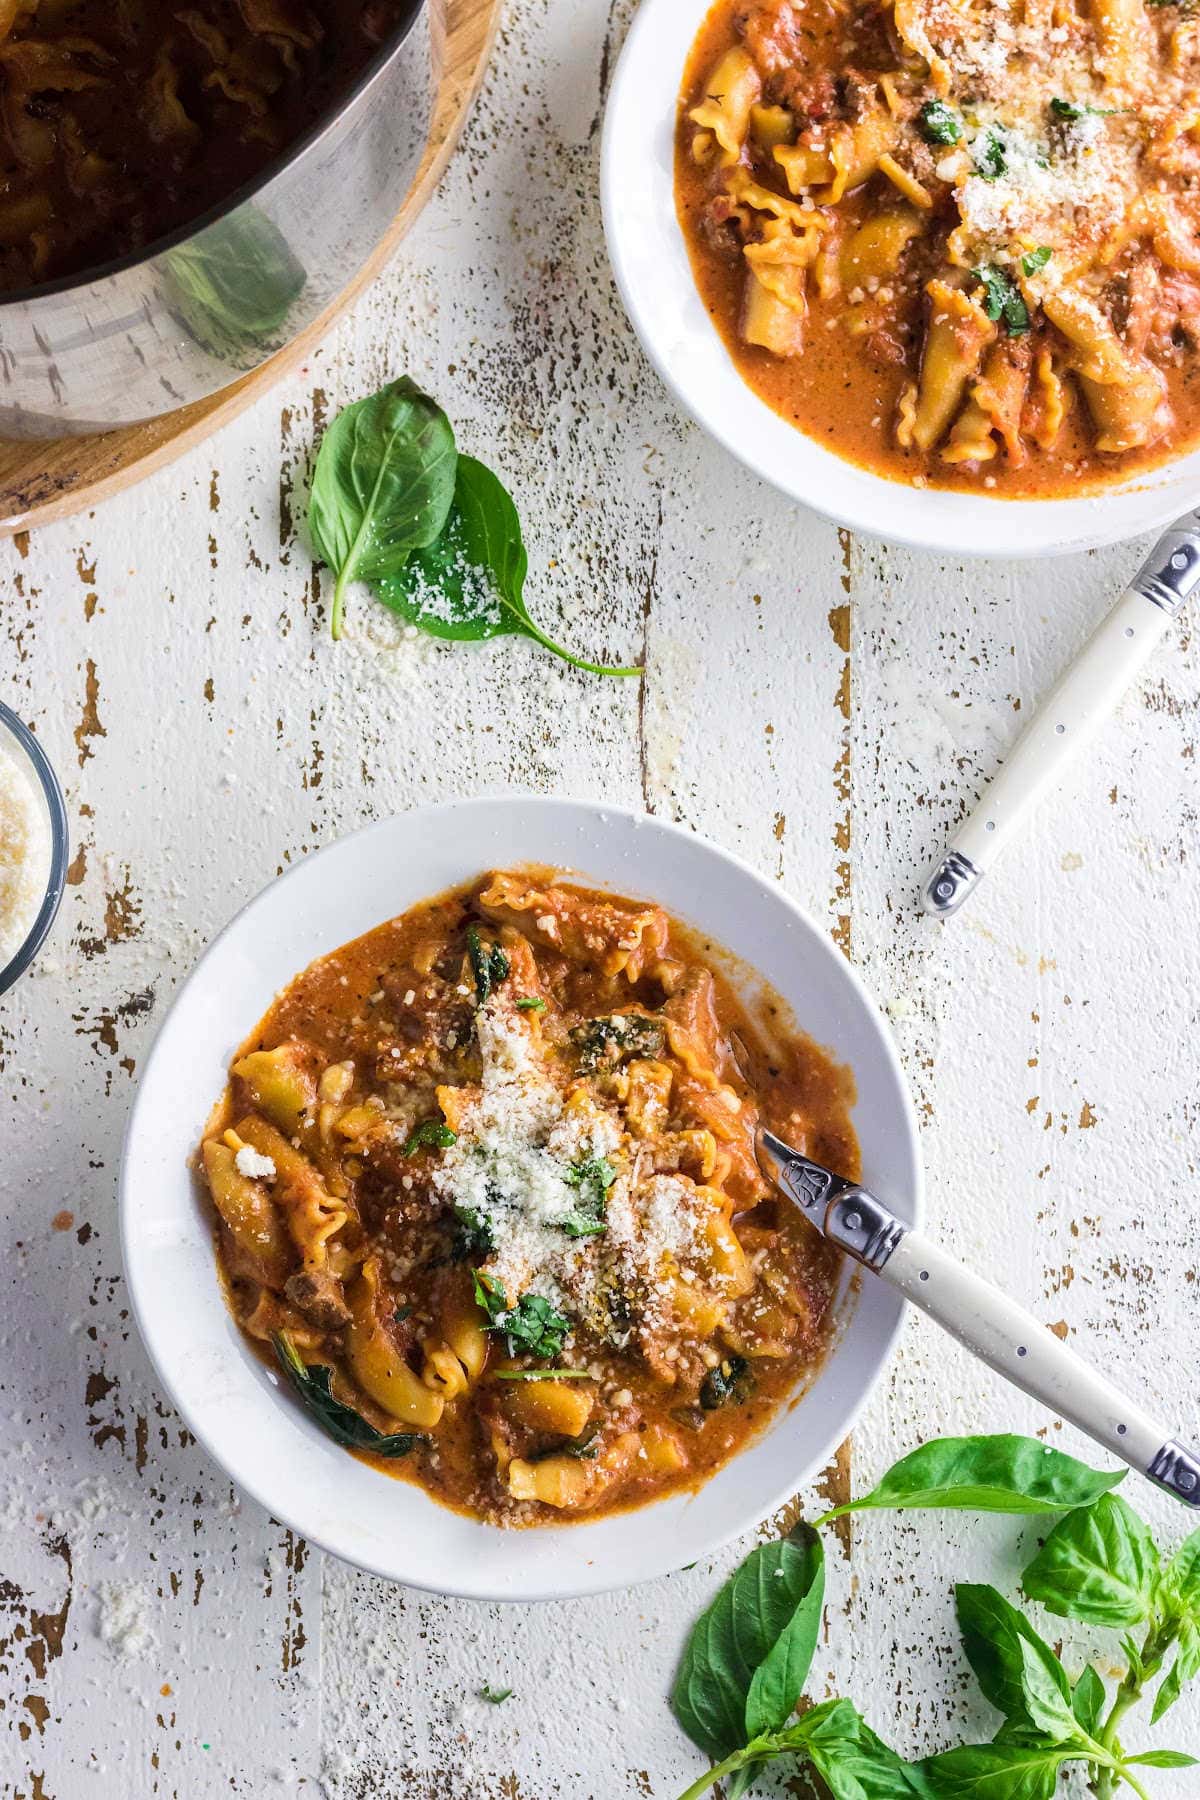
(650, 262)
(233, 1404)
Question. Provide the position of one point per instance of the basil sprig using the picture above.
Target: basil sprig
(741, 1681)
(435, 534)
(312, 1382)
(748, 1656)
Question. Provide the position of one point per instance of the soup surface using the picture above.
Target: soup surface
(955, 240)
(485, 1180)
(120, 120)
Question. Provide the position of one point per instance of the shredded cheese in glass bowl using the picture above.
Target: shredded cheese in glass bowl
(33, 847)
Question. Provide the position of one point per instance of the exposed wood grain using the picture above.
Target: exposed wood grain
(55, 479)
(172, 651)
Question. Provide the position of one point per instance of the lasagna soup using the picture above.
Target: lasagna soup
(955, 240)
(485, 1183)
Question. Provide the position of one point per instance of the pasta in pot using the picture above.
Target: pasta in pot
(486, 1179)
(121, 120)
(956, 243)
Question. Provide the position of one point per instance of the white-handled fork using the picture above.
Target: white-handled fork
(1072, 714)
(983, 1318)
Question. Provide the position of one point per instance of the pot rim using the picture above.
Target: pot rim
(299, 147)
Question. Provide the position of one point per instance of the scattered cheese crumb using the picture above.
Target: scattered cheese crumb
(251, 1163)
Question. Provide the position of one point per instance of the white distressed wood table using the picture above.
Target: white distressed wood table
(824, 706)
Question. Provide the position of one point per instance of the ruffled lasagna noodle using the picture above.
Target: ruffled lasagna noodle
(492, 1168)
(122, 119)
(955, 240)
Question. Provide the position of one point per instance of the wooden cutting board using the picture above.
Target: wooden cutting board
(52, 478)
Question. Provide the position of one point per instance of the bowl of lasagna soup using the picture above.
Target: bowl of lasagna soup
(441, 1212)
(931, 268)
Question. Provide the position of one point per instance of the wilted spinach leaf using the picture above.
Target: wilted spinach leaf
(343, 1424)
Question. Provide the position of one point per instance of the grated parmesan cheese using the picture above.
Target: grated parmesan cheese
(476, 598)
(1085, 176)
(121, 1621)
(253, 1164)
(510, 1168)
(24, 856)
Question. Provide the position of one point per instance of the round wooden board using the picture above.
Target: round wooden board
(54, 478)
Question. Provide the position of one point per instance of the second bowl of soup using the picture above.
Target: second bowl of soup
(926, 269)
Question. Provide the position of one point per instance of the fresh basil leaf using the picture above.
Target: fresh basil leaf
(854, 1763)
(734, 1636)
(1033, 260)
(534, 1326)
(433, 1134)
(383, 486)
(496, 1695)
(1164, 1759)
(531, 1003)
(592, 1179)
(939, 123)
(997, 1639)
(1189, 1648)
(1002, 299)
(1099, 1564)
(1004, 1473)
(1185, 1667)
(1181, 1577)
(234, 284)
(468, 583)
(1168, 1693)
(778, 1681)
(312, 1382)
(490, 1297)
(989, 154)
(1042, 1681)
(1000, 1771)
(489, 965)
(1087, 1700)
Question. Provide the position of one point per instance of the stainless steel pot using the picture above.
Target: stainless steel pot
(195, 311)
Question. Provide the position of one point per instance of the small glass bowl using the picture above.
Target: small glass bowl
(28, 753)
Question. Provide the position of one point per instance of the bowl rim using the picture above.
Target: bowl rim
(60, 848)
(597, 1580)
(326, 121)
(955, 522)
